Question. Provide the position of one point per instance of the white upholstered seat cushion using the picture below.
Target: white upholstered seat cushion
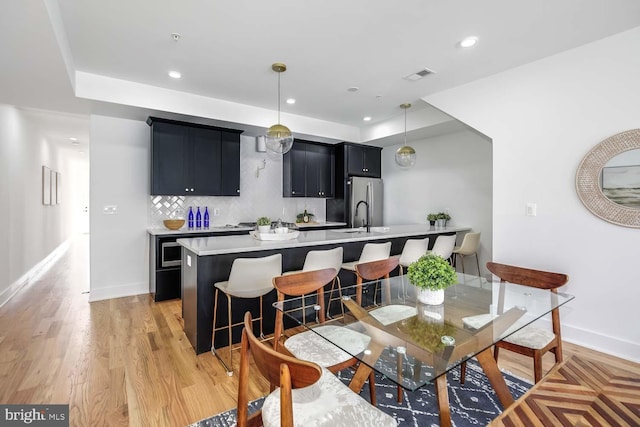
(478, 321)
(328, 402)
(314, 348)
(393, 313)
(531, 337)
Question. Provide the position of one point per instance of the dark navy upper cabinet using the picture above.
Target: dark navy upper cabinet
(308, 170)
(194, 160)
(363, 160)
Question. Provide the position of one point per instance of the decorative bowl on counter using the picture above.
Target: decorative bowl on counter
(173, 224)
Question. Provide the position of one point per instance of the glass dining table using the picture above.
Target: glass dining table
(413, 344)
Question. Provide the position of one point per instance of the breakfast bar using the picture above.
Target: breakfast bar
(207, 260)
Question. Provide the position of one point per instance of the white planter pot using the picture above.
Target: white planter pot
(264, 228)
(441, 223)
(427, 296)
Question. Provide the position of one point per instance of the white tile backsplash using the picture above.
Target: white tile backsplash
(260, 195)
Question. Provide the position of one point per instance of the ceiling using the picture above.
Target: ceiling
(227, 48)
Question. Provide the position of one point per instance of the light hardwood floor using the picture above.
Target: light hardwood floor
(124, 361)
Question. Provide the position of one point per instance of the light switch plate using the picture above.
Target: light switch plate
(110, 209)
(532, 209)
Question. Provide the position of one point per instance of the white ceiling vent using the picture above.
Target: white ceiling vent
(418, 75)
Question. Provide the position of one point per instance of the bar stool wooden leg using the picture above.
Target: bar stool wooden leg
(261, 331)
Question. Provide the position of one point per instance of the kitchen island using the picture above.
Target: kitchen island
(207, 260)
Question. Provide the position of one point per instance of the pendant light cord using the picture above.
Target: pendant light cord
(279, 98)
(405, 126)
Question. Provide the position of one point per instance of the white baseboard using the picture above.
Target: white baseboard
(604, 343)
(34, 273)
(127, 290)
(613, 346)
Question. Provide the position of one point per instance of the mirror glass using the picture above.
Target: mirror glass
(620, 179)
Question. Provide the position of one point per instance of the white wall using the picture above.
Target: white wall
(453, 172)
(120, 177)
(543, 118)
(31, 230)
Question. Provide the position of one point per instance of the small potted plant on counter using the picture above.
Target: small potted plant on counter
(431, 274)
(432, 219)
(442, 218)
(264, 224)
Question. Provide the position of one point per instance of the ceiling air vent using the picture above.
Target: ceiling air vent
(418, 75)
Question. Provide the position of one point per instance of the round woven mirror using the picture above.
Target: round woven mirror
(589, 180)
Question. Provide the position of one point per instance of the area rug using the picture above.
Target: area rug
(473, 403)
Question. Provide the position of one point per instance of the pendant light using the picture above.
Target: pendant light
(405, 155)
(279, 139)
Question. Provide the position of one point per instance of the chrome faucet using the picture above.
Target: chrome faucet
(368, 224)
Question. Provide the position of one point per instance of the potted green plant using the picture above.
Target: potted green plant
(264, 224)
(442, 218)
(432, 219)
(431, 274)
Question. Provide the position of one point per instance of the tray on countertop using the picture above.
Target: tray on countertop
(292, 234)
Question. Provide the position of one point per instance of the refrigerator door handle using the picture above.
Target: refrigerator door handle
(370, 202)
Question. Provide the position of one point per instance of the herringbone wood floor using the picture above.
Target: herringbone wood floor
(124, 361)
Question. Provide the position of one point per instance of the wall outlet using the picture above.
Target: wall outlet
(532, 209)
(110, 209)
(216, 211)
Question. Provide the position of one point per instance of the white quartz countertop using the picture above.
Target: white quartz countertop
(217, 245)
(160, 231)
(320, 224)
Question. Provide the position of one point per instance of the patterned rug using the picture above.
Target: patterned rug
(472, 404)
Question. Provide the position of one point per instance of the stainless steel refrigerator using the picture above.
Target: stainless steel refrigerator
(365, 194)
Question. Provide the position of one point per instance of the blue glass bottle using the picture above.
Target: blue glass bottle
(206, 217)
(190, 218)
(198, 218)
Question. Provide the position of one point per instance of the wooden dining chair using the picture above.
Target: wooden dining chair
(306, 395)
(373, 270)
(530, 341)
(309, 345)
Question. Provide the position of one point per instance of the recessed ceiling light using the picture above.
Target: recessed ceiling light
(469, 42)
(291, 101)
(73, 140)
(353, 89)
(366, 119)
(175, 74)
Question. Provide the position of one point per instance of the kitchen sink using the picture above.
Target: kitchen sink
(362, 230)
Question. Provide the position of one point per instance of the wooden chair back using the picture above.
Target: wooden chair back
(528, 277)
(298, 284)
(280, 370)
(375, 270)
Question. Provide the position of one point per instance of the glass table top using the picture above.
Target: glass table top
(412, 343)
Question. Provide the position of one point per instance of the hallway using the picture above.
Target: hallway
(117, 362)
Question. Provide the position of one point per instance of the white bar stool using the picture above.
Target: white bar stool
(469, 246)
(249, 278)
(370, 252)
(444, 246)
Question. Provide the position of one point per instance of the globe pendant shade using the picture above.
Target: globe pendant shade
(279, 139)
(406, 156)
